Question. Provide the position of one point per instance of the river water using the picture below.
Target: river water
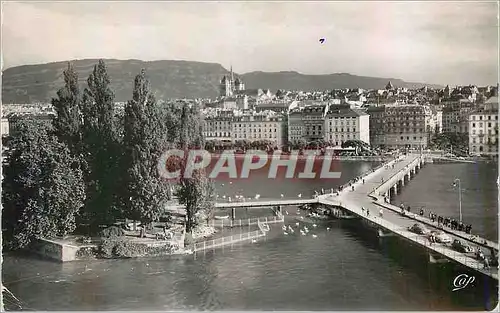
(343, 268)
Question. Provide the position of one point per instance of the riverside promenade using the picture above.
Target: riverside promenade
(370, 196)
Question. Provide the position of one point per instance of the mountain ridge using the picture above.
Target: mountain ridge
(172, 79)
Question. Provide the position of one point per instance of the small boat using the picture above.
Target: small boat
(224, 217)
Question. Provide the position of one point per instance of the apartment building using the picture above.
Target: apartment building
(217, 125)
(483, 129)
(455, 117)
(265, 125)
(401, 125)
(343, 123)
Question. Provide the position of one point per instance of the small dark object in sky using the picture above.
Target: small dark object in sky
(322, 40)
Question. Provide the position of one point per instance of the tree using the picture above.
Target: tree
(144, 140)
(43, 187)
(67, 107)
(101, 144)
(197, 194)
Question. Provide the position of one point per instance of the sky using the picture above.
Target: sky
(448, 42)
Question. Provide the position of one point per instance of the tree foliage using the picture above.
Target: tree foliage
(448, 140)
(101, 145)
(145, 192)
(43, 187)
(197, 194)
(68, 120)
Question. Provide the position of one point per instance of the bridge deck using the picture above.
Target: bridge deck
(395, 222)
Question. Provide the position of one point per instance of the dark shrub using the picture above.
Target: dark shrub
(112, 231)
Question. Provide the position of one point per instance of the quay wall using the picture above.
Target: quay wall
(57, 251)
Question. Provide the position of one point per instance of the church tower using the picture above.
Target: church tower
(228, 85)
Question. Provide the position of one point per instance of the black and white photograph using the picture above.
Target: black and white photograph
(249, 156)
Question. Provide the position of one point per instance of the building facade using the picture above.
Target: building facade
(266, 125)
(455, 116)
(217, 125)
(343, 123)
(483, 129)
(401, 125)
(296, 126)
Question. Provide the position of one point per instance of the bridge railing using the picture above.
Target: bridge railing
(467, 260)
(425, 220)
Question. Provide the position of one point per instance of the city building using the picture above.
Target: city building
(343, 123)
(401, 125)
(483, 128)
(217, 125)
(296, 125)
(455, 116)
(265, 125)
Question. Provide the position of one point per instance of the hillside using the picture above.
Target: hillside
(169, 79)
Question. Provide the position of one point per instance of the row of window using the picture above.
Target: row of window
(480, 124)
(259, 130)
(481, 140)
(492, 148)
(490, 132)
(490, 117)
(260, 136)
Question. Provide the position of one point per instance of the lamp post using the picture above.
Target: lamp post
(459, 196)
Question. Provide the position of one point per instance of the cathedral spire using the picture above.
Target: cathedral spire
(232, 77)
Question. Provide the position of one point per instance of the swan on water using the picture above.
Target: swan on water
(314, 225)
(285, 233)
(297, 224)
(314, 236)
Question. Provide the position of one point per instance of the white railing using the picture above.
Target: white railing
(246, 222)
(441, 249)
(228, 240)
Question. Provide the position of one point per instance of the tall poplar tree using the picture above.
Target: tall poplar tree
(100, 141)
(145, 192)
(68, 118)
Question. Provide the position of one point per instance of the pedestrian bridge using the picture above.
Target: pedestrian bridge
(372, 193)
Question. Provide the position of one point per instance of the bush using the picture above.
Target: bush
(106, 248)
(112, 231)
(127, 249)
(87, 253)
(121, 248)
